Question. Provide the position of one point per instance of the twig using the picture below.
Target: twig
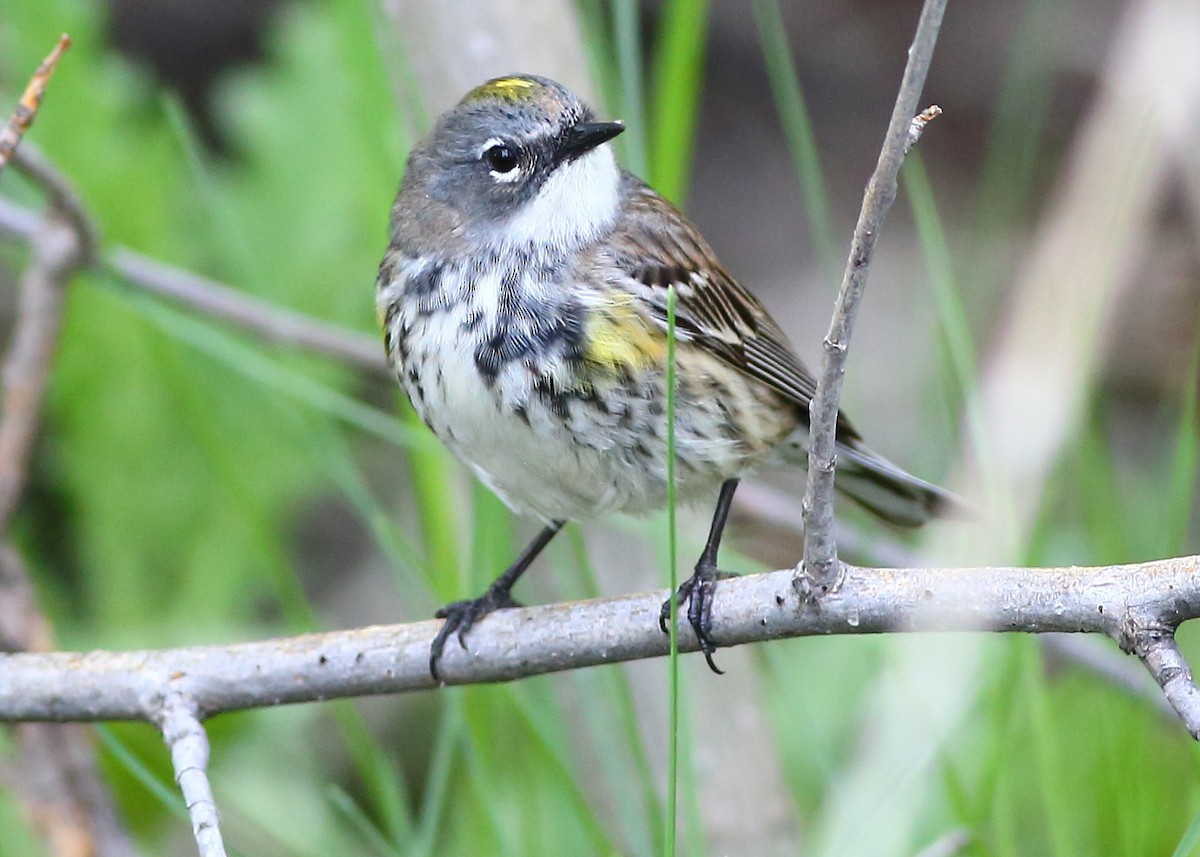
(1137, 605)
(57, 252)
(819, 571)
(273, 323)
(917, 127)
(52, 771)
(62, 197)
(188, 743)
(26, 109)
(284, 326)
(1161, 655)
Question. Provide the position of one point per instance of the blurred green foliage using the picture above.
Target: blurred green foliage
(180, 462)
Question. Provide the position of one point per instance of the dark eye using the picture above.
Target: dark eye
(501, 158)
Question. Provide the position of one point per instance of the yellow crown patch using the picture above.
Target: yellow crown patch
(511, 88)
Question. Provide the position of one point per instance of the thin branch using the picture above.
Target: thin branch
(57, 252)
(284, 326)
(272, 323)
(820, 566)
(188, 743)
(269, 321)
(61, 196)
(1161, 655)
(27, 108)
(918, 124)
(52, 771)
(1129, 603)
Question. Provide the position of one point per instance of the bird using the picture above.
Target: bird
(523, 298)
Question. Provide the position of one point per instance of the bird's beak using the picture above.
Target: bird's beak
(585, 136)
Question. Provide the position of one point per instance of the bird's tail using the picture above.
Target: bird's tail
(880, 487)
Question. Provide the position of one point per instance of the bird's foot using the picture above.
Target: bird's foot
(460, 617)
(697, 593)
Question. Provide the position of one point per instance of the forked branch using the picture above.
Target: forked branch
(1139, 606)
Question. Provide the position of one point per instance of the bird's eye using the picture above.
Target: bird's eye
(501, 158)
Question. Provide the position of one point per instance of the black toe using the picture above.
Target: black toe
(696, 593)
(460, 617)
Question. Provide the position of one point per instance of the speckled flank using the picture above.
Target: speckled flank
(550, 428)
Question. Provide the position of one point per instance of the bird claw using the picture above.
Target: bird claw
(460, 617)
(697, 593)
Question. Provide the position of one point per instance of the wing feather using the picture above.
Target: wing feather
(655, 246)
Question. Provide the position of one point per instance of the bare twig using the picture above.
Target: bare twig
(26, 109)
(57, 252)
(1160, 653)
(272, 323)
(917, 126)
(62, 197)
(819, 570)
(188, 742)
(52, 772)
(1137, 605)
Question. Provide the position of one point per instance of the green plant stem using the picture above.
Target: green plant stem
(627, 36)
(678, 73)
(673, 704)
(798, 131)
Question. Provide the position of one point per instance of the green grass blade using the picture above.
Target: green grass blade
(252, 363)
(437, 783)
(163, 792)
(629, 62)
(1181, 480)
(1011, 159)
(678, 75)
(621, 694)
(673, 576)
(955, 330)
(405, 559)
(798, 131)
(1191, 836)
(434, 478)
(358, 820)
(538, 723)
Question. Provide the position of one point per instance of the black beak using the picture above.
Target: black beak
(585, 136)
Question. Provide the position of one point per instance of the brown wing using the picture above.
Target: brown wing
(656, 246)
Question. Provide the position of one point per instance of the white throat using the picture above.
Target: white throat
(574, 206)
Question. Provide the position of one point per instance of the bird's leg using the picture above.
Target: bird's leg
(697, 591)
(462, 615)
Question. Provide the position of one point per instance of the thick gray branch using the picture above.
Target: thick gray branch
(1126, 602)
(820, 550)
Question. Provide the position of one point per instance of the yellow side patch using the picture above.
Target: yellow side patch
(619, 338)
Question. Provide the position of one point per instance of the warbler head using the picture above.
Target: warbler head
(519, 160)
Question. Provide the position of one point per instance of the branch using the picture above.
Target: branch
(188, 743)
(1139, 606)
(52, 771)
(820, 566)
(27, 108)
(58, 249)
(267, 320)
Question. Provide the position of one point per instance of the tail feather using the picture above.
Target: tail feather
(883, 489)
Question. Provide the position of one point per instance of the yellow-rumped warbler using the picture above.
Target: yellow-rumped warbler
(524, 305)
